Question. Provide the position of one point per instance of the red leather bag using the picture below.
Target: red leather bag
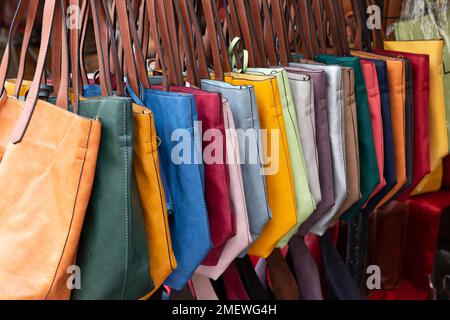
(421, 66)
(222, 222)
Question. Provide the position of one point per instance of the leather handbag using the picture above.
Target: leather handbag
(421, 95)
(35, 259)
(335, 105)
(303, 97)
(323, 146)
(304, 197)
(389, 151)
(351, 143)
(430, 26)
(396, 73)
(370, 179)
(246, 117)
(188, 221)
(283, 283)
(387, 241)
(438, 133)
(242, 240)
(217, 181)
(373, 94)
(280, 187)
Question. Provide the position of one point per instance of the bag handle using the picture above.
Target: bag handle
(31, 18)
(30, 102)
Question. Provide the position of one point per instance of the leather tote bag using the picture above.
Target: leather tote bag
(52, 190)
(335, 105)
(323, 146)
(303, 97)
(437, 123)
(370, 179)
(304, 197)
(188, 220)
(217, 181)
(373, 93)
(396, 73)
(151, 190)
(430, 25)
(351, 143)
(389, 151)
(242, 240)
(278, 173)
(421, 95)
(245, 112)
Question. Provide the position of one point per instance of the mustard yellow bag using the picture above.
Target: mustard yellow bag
(280, 186)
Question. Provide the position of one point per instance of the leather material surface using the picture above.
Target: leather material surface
(242, 239)
(46, 162)
(252, 283)
(426, 27)
(189, 225)
(303, 97)
(283, 282)
(306, 270)
(437, 114)
(351, 143)
(340, 283)
(243, 106)
(280, 187)
(152, 195)
(323, 146)
(114, 229)
(335, 105)
(222, 221)
(387, 242)
(304, 197)
(370, 179)
(373, 93)
(389, 151)
(396, 73)
(151, 190)
(421, 94)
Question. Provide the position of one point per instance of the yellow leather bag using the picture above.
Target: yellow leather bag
(10, 86)
(151, 193)
(397, 81)
(280, 186)
(438, 126)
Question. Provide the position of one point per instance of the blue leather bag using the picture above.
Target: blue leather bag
(389, 151)
(189, 225)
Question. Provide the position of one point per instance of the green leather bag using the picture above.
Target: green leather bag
(431, 27)
(113, 256)
(370, 177)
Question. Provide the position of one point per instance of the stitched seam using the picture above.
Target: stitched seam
(161, 198)
(85, 146)
(127, 213)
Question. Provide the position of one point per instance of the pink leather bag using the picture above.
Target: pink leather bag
(242, 239)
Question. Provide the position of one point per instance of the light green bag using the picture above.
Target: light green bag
(305, 201)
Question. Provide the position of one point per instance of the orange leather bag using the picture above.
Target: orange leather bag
(46, 174)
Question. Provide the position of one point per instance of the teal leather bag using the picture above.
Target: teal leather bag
(113, 255)
(370, 177)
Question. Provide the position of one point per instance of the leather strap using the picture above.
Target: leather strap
(30, 103)
(31, 17)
